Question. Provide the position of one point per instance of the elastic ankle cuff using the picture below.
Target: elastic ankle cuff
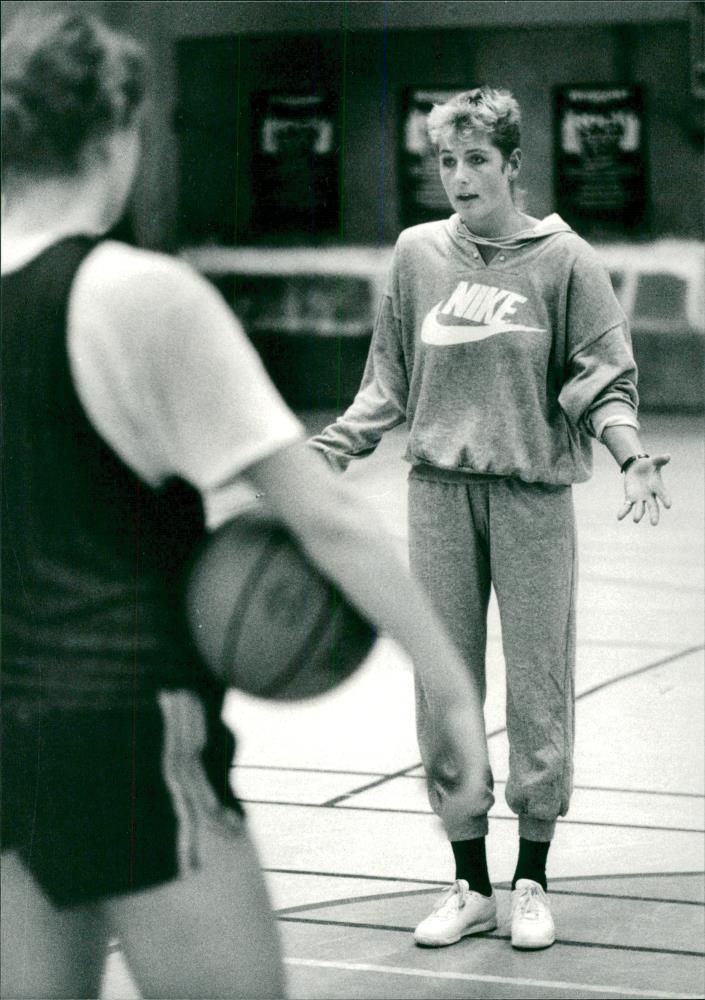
(536, 829)
(472, 828)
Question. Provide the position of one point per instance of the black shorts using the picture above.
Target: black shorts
(102, 802)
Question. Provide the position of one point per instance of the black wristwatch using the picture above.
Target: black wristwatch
(628, 462)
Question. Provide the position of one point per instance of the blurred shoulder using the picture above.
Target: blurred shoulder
(124, 278)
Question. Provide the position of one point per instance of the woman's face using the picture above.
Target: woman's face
(476, 178)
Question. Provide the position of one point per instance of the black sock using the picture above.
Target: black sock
(532, 861)
(471, 864)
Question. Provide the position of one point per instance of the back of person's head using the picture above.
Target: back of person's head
(495, 112)
(67, 79)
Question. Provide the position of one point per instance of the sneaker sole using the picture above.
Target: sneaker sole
(531, 946)
(488, 925)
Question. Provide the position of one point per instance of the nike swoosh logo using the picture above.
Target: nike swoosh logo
(440, 335)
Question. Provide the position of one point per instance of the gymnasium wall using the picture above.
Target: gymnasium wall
(369, 68)
(367, 53)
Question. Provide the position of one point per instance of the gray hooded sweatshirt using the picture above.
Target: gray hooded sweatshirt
(500, 369)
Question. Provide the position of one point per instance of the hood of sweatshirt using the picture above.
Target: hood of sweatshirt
(544, 227)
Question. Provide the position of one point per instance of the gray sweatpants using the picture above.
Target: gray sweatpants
(465, 537)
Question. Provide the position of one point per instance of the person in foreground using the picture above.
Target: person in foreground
(130, 393)
(501, 344)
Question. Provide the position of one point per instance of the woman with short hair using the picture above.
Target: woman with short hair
(501, 344)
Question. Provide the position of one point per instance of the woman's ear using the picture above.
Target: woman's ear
(514, 163)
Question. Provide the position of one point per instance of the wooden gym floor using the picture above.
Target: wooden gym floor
(354, 857)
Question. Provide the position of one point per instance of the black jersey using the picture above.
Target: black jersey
(92, 556)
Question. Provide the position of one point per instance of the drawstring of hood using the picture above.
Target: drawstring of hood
(545, 227)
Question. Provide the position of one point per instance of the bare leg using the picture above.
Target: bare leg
(210, 933)
(46, 952)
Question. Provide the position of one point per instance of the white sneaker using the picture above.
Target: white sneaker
(532, 922)
(460, 911)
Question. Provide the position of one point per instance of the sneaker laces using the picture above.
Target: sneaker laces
(454, 899)
(530, 901)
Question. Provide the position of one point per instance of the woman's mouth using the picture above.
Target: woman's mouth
(464, 199)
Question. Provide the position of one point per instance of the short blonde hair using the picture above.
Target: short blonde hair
(495, 112)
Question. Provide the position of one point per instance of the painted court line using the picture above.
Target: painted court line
(491, 936)
(306, 770)
(661, 662)
(630, 674)
(495, 817)
(469, 977)
(377, 897)
(372, 784)
(504, 886)
(422, 777)
(498, 885)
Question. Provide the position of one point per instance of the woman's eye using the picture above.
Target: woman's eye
(447, 161)
(477, 160)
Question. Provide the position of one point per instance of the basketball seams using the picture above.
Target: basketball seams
(279, 684)
(287, 630)
(236, 621)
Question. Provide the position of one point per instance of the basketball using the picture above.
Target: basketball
(265, 620)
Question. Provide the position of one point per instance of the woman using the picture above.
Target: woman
(130, 393)
(501, 344)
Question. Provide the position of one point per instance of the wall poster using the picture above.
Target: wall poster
(295, 164)
(422, 198)
(600, 171)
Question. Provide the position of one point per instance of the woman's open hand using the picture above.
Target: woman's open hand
(643, 488)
